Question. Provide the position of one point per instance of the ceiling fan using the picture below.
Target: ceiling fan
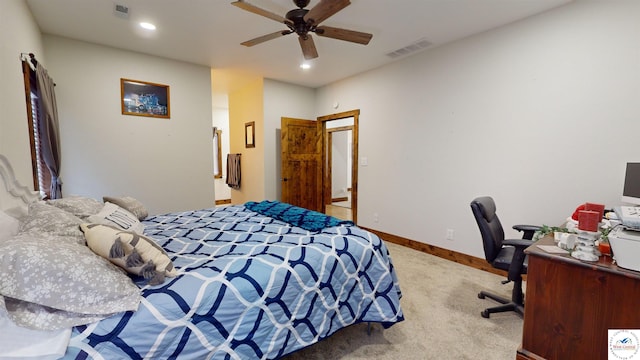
(303, 22)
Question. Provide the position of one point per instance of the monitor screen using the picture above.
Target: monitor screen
(631, 191)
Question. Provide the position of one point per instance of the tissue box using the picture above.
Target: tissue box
(625, 245)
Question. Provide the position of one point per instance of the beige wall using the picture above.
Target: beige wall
(246, 105)
(269, 101)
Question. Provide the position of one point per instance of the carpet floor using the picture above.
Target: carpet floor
(442, 317)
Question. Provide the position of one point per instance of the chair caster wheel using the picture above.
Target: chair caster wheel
(485, 314)
(480, 296)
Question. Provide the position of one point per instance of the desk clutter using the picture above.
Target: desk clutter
(591, 232)
(585, 233)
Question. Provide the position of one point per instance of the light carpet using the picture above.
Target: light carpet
(442, 317)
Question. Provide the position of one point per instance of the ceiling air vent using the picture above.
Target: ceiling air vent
(409, 49)
(121, 11)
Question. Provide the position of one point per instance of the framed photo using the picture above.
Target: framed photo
(250, 134)
(142, 98)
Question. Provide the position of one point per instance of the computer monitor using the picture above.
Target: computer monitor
(631, 191)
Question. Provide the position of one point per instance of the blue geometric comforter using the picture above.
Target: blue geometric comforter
(249, 287)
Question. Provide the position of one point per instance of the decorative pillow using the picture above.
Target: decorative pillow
(67, 277)
(79, 206)
(131, 204)
(9, 226)
(114, 215)
(45, 218)
(133, 252)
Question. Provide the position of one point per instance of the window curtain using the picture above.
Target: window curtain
(49, 129)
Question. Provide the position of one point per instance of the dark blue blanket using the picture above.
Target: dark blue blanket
(296, 216)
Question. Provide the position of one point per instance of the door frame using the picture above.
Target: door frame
(326, 180)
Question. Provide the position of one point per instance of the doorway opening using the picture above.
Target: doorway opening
(339, 154)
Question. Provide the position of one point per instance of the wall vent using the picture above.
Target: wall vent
(409, 49)
(121, 11)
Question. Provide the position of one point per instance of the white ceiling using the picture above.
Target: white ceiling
(209, 32)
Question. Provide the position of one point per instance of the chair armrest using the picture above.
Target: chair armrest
(527, 227)
(528, 230)
(517, 262)
(518, 243)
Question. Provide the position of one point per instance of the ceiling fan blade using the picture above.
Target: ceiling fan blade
(308, 47)
(267, 37)
(344, 34)
(324, 9)
(256, 10)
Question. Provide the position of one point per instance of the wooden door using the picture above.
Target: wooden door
(302, 163)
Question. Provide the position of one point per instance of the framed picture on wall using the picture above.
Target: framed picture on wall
(142, 98)
(250, 134)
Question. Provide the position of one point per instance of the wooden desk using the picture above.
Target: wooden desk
(570, 305)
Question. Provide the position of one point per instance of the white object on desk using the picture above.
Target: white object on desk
(625, 245)
(628, 215)
(584, 255)
(565, 240)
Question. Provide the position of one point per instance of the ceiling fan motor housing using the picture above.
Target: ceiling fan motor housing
(301, 3)
(299, 25)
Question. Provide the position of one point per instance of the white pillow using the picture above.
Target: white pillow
(113, 215)
(8, 226)
(18, 342)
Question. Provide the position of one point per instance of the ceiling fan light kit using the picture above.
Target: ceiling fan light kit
(303, 22)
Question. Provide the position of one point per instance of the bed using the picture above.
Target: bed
(253, 281)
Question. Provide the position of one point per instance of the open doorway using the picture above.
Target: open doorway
(339, 137)
(340, 133)
(306, 172)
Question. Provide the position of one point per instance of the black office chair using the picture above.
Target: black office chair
(504, 254)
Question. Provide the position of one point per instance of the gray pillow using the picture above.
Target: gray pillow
(130, 204)
(47, 219)
(79, 206)
(54, 284)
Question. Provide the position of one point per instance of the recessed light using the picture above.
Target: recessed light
(148, 26)
(305, 66)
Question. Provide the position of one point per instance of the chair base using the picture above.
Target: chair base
(507, 305)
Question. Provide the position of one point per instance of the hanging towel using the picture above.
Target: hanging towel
(233, 171)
